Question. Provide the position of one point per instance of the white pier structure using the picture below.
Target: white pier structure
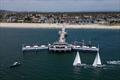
(85, 48)
(61, 45)
(35, 47)
(62, 35)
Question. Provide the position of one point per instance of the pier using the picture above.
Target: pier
(35, 47)
(61, 45)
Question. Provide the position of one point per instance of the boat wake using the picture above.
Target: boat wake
(102, 67)
(97, 62)
(114, 62)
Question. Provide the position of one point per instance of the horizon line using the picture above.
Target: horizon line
(55, 11)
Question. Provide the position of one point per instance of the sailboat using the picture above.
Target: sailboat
(97, 61)
(77, 61)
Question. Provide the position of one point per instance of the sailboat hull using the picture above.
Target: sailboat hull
(79, 65)
(99, 66)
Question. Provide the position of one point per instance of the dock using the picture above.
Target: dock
(35, 47)
(61, 45)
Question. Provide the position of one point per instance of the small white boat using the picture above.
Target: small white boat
(77, 61)
(15, 64)
(113, 62)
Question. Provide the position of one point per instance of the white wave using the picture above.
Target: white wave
(113, 62)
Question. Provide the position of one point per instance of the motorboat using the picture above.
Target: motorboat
(15, 64)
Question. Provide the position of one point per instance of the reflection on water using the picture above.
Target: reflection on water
(77, 70)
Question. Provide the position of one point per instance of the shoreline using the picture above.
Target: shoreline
(56, 26)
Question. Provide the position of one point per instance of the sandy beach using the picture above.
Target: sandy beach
(46, 25)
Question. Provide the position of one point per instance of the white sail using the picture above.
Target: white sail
(77, 60)
(97, 60)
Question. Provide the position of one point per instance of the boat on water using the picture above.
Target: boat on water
(113, 62)
(77, 61)
(97, 61)
(15, 64)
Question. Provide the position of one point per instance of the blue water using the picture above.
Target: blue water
(45, 66)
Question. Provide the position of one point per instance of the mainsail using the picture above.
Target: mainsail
(97, 60)
(77, 60)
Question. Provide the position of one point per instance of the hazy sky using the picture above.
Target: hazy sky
(60, 5)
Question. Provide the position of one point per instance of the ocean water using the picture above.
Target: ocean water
(43, 65)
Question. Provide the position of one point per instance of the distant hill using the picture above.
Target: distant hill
(9, 11)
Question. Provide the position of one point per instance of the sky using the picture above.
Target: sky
(60, 5)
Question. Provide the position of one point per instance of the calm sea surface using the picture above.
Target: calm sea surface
(45, 66)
